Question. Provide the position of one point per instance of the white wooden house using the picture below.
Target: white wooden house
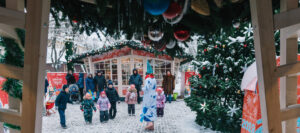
(118, 64)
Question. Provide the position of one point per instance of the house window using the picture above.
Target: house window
(125, 67)
(160, 69)
(138, 64)
(104, 66)
(114, 66)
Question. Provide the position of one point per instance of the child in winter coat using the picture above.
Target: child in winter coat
(113, 97)
(87, 106)
(131, 99)
(103, 105)
(61, 103)
(160, 102)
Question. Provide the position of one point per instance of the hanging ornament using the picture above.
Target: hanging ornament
(74, 21)
(223, 46)
(155, 33)
(181, 33)
(219, 3)
(174, 10)
(156, 7)
(174, 13)
(205, 50)
(236, 25)
(201, 7)
(204, 68)
(245, 45)
(171, 44)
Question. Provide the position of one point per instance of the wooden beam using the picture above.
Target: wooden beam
(37, 20)
(10, 116)
(286, 19)
(288, 69)
(11, 71)
(15, 4)
(288, 84)
(290, 113)
(262, 20)
(12, 17)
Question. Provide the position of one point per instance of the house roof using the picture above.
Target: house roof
(136, 46)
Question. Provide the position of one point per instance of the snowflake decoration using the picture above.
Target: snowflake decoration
(249, 30)
(203, 107)
(232, 110)
(244, 68)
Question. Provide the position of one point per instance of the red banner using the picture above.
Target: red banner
(3, 95)
(58, 79)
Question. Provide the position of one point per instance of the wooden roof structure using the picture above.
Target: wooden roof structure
(276, 108)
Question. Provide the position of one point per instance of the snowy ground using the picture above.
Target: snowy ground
(178, 119)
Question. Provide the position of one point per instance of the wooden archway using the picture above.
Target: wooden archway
(277, 110)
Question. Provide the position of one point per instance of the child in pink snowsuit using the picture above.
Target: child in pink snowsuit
(161, 98)
(103, 105)
(131, 100)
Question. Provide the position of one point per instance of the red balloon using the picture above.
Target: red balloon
(174, 10)
(182, 35)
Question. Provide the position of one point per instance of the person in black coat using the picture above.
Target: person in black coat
(70, 78)
(137, 80)
(100, 83)
(61, 103)
(113, 98)
(46, 85)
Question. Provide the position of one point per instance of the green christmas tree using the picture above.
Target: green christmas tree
(221, 61)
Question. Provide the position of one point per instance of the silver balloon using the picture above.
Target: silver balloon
(171, 44)
(155, 35)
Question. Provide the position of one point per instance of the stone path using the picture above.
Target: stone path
(178, 119)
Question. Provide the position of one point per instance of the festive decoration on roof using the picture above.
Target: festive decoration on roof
(131, 44)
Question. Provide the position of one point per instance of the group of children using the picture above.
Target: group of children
(106, 103)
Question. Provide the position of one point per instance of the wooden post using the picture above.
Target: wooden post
(262, 20)
(37, 18)
(288, 54)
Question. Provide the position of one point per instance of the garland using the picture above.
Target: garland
(131, 44)
(69, 51)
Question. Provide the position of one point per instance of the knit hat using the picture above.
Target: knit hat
(149, 68)
(65, 87)
(110, 82)
(102, 92)
(159, 89)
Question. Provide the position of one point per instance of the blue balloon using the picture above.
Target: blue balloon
(156, 7)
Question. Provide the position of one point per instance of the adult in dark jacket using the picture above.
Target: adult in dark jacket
(89, 84)
(46, 85)
(61, 103)
(80, 84)
(168, 85)
(137, 80)
(100, 83)
(70, 78)
(113, 98)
